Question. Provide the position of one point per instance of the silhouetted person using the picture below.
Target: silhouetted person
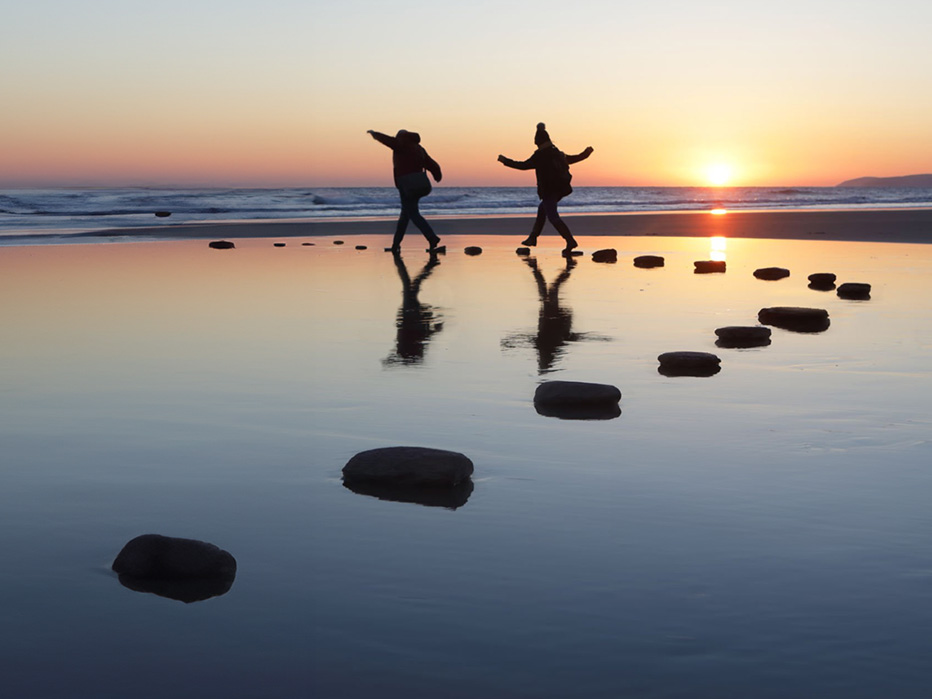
(552, 167)
(416, 322)
(409, 162)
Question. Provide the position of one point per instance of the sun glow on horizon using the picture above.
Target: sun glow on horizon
(719, 174)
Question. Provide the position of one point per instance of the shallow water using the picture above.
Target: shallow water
(763, 532)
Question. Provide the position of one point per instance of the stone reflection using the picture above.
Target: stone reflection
(416, 322)
(554, 323)
(450, 498)
(187, 591)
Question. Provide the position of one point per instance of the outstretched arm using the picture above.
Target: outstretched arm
(382, 138)
(515, 164)
(582, 156)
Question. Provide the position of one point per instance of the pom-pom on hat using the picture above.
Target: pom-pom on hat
(541, 136)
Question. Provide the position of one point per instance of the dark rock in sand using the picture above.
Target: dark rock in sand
(163, 214)
(362, 247)
(408, 466)
(648, 261)
(855, 291)
(523, 251)
(429, 496)
(803, 320)
(743, 336)
(709, 266)
(221, 245)
(279, 245)
(689, 364)
(771, 273)
(183, 569)
(823, 278)
(338, 242)
(607, 255)
(577, 400)
(307, 243)
(473, 250)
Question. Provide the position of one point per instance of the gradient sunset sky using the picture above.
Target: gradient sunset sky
(281, 93)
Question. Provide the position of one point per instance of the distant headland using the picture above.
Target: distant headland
(904, 181)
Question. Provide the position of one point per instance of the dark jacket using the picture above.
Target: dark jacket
(551, 165)
(408, 155)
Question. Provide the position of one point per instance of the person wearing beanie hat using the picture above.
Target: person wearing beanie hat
(409, 162)
(552, 167)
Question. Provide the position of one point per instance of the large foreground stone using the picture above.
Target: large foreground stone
(648, 261)
(689, 364)
(854, 290)
(709, 266)
(606, 255)
(220, 245)
(743, 336)
(771, 273)
(804, 320)
(408, 466)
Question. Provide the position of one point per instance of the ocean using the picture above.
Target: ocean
(63, 212)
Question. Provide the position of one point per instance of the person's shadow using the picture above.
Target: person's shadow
(554, 322)
(416, 322)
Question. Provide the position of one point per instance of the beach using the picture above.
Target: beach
(877, 225)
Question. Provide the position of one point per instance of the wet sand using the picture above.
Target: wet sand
(890, 226)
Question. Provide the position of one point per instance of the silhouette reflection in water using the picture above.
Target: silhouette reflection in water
(554, 323)
(449, 498)
(416, 322)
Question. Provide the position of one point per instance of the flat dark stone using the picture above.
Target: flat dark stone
(737, 336)
(523, 251)
(822, 278)
(408, 466)
(771, 273)
(279, 245)
(338, 242)
(854, 290)
(648, 261)
(429, 496)
(163, 214)
(153, 556)
(473, 250)
(307, 243)
(709, 266)
(806, 320)
(689, 364)
(361, 247)
(576, 393)
(606, 255)
(220, 245)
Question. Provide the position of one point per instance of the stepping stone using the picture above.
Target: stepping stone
(607, 255)
(771, 273)
(577, 400)
(163, 214)
(307, 243)
(183, 569)
(338, 242)
(689, 364)
(648, 261)
(279, 245)
(221, 245)
(473, 250)
(804, 320)
(737, 336)
(408, 466)
(572, 253)
(709, 266)
(854, 291)
(361, 247)
(822, 278)
(523, 251)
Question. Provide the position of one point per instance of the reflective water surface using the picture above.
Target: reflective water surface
(763, 532)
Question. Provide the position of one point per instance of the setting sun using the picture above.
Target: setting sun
(718, 175)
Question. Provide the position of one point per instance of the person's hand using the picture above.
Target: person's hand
(502, 158)
(589, 150)
(370, 132)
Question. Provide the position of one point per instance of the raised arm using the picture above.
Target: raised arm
(389, 141)
(582, 156)
(517, 165)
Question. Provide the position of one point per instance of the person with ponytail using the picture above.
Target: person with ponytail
(552, 167)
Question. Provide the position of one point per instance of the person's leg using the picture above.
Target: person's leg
(550, 207)
(402, 224)
(538, 226)
(418, 220)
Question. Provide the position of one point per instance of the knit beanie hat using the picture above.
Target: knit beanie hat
(541, 136)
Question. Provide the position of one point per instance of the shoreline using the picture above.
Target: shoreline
(862, 225)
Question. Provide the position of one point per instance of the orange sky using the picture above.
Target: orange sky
(205, 93)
